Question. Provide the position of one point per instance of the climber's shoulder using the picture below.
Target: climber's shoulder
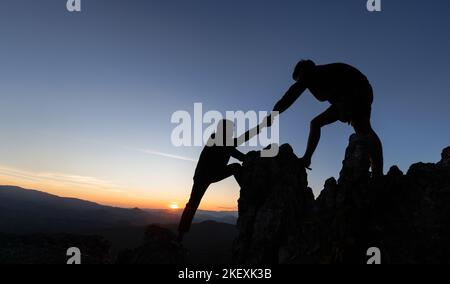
(339, 71)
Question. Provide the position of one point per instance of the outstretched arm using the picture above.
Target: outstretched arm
(249, 134)
(294, 92)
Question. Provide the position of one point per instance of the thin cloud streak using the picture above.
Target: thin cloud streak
(166, 155)
(147, 151)
(62, 179)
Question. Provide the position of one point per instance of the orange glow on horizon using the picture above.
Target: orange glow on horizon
(85, 188)
(117, 198)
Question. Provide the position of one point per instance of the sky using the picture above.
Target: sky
(86, 98)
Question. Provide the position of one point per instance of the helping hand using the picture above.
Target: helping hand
(250, 156)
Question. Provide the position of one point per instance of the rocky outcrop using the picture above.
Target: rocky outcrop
(406, 216)
(273, 201)
(445, 157)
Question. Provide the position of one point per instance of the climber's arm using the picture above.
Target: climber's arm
(294, 92)
(249, 134)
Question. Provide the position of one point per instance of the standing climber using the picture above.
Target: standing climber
(350, 95)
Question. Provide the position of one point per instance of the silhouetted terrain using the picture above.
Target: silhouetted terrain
(30, 211)
(207, 243)
(173, 216)
(52, 249)
(37, 223)
(406, 216)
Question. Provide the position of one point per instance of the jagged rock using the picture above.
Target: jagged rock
(394, 171)
(406, 216)
(274, 200)
(355, 167)
(159, 247)
(445, 157)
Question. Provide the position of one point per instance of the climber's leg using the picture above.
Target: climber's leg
(363, 127)
(198, 191)
(330, 116)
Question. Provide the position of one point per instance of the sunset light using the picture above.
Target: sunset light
(174, 206)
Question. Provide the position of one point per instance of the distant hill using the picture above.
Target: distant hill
(173, 216)
(30, 211)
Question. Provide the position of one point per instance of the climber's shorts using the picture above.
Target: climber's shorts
(356, 106)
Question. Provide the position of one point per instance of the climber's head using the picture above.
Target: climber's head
(225, 131)
(303, 68)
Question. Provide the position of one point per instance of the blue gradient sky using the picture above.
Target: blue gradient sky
(82, 95)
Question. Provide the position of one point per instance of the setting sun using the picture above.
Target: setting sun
(174, 206)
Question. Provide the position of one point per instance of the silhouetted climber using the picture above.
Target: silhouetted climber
(213, 167)
(351, 97)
